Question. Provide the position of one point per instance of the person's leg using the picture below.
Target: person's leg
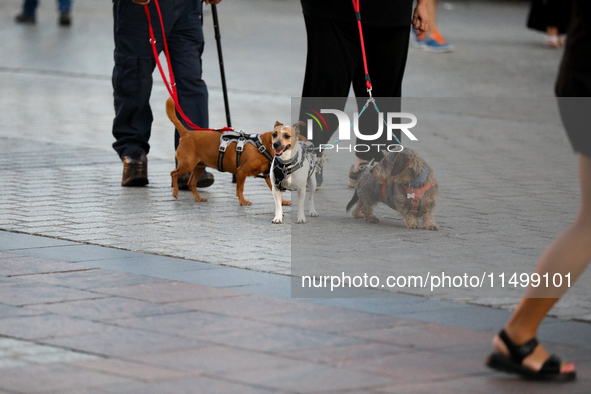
(64, 12)
(186, 43)
(333, 50)
(431, 40)
(132, 86)
(331, 60)
(432, 26)
(569, 253)
(64, 5)
(30, 7)
(28, 13)
(387, 50)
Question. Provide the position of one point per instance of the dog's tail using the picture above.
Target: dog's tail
(171, 112)
(353, 201)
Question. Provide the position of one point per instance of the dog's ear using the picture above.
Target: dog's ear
(400, 164)
(277, 124)
(296, 127)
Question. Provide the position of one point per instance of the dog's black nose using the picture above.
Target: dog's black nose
(276, 144)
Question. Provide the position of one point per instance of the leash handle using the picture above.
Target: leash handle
(170, 86)
(358, 16)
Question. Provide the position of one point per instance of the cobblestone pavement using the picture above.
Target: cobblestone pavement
(59, 177)
(80, 318)
(125, 290)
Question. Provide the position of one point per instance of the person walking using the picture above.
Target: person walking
(549, 17)
(132, 77)
(431, 40)
(30, 8)
(516, 347)
(334, 62)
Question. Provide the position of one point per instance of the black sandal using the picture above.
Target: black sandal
(550, 370)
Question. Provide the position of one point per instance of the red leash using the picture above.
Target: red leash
(171, 86)
(358, 15)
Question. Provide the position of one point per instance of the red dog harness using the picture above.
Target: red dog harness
(413, 194)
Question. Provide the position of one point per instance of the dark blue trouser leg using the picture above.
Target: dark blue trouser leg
(185, 44)
(29, 7)
(65, 5)
(134, 64)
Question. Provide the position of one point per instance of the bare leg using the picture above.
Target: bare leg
(570, 252)
(432, 25)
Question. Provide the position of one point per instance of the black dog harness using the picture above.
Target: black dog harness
(283, 169)
(241, 139)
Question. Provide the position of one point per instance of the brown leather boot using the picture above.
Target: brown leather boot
(135, 169)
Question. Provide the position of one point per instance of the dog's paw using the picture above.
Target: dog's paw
(201, 199)
(412, 226)
(286, 203)
(431, 226)
(277, 221)
(314, 214)
(245, 203)
(373, 219)
(302, 221)
(175, 195)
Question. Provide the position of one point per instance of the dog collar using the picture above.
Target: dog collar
(419, 180)
(415, 195)
(412, 194)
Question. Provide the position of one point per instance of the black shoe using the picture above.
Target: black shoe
(22, 18)
(135, 169)
(205, 180)
(65, 19)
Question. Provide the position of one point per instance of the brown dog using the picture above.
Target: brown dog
(200, 148)
(404, 182)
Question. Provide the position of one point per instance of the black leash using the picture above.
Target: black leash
(218, 40)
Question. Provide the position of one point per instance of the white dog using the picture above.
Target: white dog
(293, 168)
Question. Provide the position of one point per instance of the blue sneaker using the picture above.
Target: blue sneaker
(437, 44)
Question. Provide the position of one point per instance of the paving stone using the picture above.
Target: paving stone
(423, 335)
(312, 379)
(52, 377)
(218, 360)
(163, 292)
(193, 324)
(185, 386)
(133, 370)
(107, 308)
(277, 339)
(34, 293)
(33, 265)
(250, 305)
(46, 326)
(91, 278)
(124, 342)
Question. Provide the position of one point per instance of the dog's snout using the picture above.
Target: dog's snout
(276, 144)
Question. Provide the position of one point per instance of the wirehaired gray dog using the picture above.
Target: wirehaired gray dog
(404, 182)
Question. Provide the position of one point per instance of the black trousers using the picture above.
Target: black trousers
(134, 64)
(334, 62)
